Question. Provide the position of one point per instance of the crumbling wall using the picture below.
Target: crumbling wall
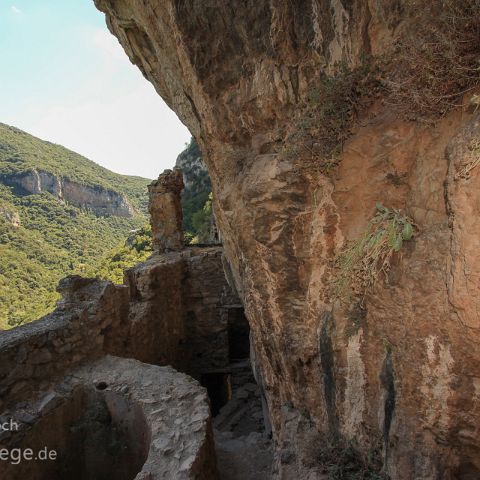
(179, 310)
(156, 329)
(171, 312)
(113, 418)
(86, 324)
(207, 301)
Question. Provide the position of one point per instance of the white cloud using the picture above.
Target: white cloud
(113, 116)
(132, 132)
(15, 10)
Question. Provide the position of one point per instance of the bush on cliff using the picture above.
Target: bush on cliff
(362, 261)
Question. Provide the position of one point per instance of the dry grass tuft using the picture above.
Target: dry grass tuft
(340, 460)
(328, 114)
(362, 262)
(437, 59)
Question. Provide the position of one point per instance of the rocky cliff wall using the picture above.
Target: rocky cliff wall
(301, 147)
(194, 171)
(96, 199)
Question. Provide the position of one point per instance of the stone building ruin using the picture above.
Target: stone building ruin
(111, 380)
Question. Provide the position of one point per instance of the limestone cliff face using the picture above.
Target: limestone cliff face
(399, 368)
(194, 170)
(98, 200)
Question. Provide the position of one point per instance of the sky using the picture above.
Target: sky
(65, 78)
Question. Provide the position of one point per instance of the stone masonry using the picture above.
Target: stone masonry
(172, 310)
(166, 211)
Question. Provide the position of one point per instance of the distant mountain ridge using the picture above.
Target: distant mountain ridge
(60, 213)
(33, 163)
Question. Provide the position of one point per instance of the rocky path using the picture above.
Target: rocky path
(248, 457)
(244, 451)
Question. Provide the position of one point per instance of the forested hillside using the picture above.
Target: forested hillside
(61, 213)
(43, 235)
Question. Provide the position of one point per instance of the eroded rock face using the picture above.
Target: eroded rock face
(407, 375)
(194, 171)
(96, 199)
(166, 211)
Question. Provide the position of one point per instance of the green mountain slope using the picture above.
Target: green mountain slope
(136, 249)
(43, 235)
(20, 152)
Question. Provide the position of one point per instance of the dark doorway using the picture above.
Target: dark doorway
(219, 389)
(238, 334)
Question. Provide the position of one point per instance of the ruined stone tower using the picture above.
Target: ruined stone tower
(166, 211)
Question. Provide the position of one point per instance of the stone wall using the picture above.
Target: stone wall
(114, 418)
(208, 298)
(166, 211)
(179, 310)
(156, 329)
(85, 325)
(171, 312)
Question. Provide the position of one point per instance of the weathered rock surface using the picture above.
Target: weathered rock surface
(166, 211)
(409, 376)
(96, 199)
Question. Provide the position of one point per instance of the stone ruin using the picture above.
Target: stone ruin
(111, 381)
(166, 211)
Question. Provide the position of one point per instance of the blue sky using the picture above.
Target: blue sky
(65, 78)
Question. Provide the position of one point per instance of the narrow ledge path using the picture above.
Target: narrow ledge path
(243, 449)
